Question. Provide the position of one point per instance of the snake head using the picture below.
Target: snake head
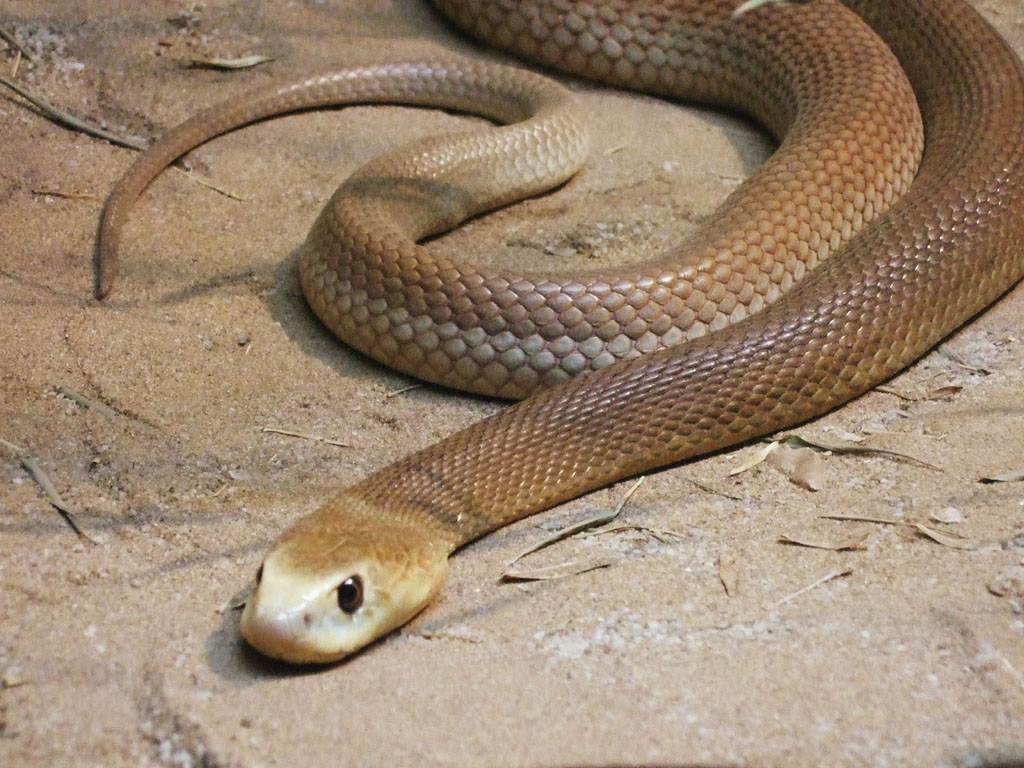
(339, 579)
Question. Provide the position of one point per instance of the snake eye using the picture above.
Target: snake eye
(350, 594)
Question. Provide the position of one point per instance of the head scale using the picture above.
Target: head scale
(339, 579)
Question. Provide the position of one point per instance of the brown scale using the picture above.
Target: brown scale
(887, 282)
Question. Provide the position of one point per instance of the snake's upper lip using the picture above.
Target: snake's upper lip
(275, 633)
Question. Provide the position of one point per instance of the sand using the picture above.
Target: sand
(702, 639)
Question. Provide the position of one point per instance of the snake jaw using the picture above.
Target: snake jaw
(297, 612)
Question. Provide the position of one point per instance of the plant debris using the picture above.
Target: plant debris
(797, 440)
(304, 436)
(946, 351)
(757, 458)
(65, 195)
(402, 390)
(129, 142)
(70, 121)
(85, 402)
(803, 466)
(727, 573)
(846, 545)
(13, 42)
(238, 600)
(715, 491)
(593, 522)
(461, 633)
(946, 539)
(824, 579)
(552, 572)
(939, 393)
(243, 62)
(661, 534)
(947, 515)
(1014, 476)
(49, 491)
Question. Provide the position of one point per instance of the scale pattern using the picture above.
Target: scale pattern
(892, 275)
(851, 142)
(940, 255)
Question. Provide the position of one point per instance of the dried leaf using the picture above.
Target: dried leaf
(753, 461)
(956, 359)
(243, 62)
(803, 467)
(593, 522)
(855, 542)
(803, 442)
(238, 600)
(949, 515)
(1007, 477)
(954, 540)
(896, 393)
(661, 534)
(560, 571)
(941, 392)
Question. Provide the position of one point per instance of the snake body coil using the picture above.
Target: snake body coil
(896, 267)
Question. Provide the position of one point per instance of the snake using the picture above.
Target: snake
(891, 213)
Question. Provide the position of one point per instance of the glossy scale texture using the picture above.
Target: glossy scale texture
(887, 284)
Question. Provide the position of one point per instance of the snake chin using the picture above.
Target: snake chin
(321, 598)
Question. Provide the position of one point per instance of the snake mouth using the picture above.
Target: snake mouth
(277, 634)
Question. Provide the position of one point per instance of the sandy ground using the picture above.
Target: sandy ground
(116, 653)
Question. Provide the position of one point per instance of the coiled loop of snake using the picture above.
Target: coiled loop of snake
(374, 555)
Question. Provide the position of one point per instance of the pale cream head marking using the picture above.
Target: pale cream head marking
(326, 590)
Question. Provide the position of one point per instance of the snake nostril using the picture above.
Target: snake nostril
(307, 619)
(259, 574)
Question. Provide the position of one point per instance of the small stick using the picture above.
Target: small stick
(12, 41)
(859, 519)
(32, 467)
(402, 390)
(85, 402)
(663, 535)
(593, 522)
(304, 436)
(70, 121)
(809, 587)
(709, 489)
(66, 195)
(210, 185)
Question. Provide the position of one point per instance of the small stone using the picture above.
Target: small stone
(947, 515)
